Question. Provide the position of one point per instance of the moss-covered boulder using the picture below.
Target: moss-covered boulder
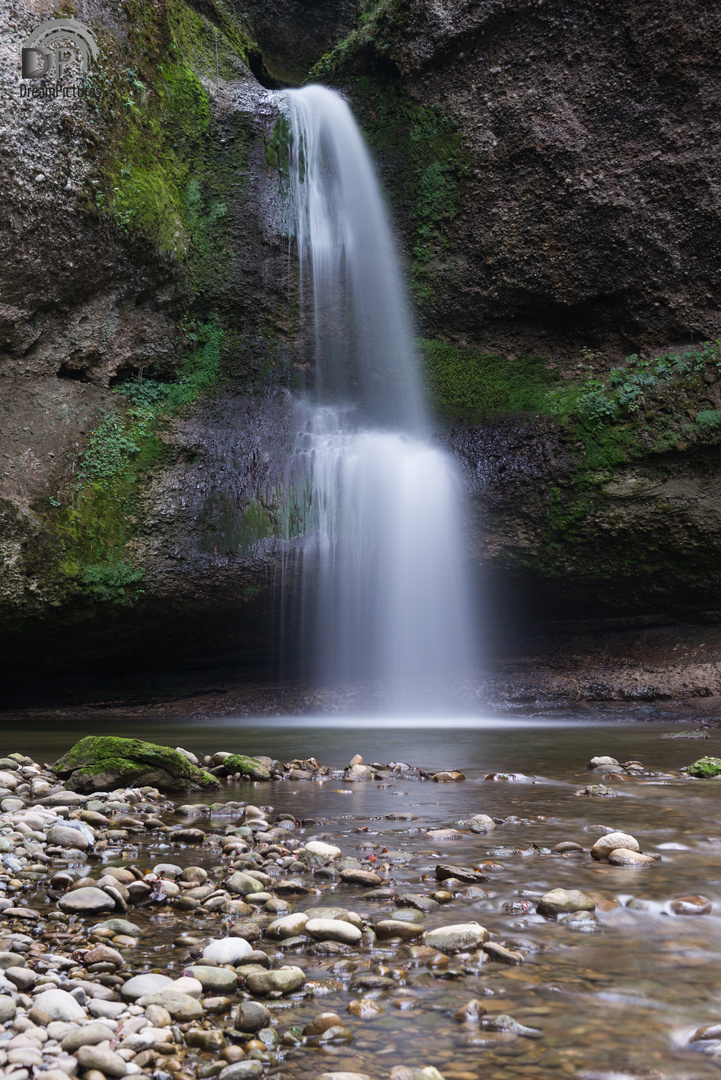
(247, 766)
(102, 763)
(706, 768)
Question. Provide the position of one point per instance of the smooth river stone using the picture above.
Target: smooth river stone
(333, 930)
(458, 938)
(251, 1016)
(691, 905)
(322, 850)
(354, 876)
(288, 926)
(396, 928)
(365, 1008)
(59, 1005)
(103, 1059)
(481, 823)
(244, 884)
(285, 980)
(141, 985)
(181, 1007)
(608, 843)
(88, 901)
(217, 980)
(227, 950)
(625, 857)
(563, 901)
(88, 1035)
(65, 837)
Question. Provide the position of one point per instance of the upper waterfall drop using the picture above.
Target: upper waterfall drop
(384, 595)
(363, 340)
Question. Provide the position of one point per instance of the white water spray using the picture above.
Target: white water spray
(381, 554)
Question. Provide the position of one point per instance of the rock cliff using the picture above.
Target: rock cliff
(552, 171)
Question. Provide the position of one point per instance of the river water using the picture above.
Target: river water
(619, 1001)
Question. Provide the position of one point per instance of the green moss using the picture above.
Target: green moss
(706, 768)
(126, 759)
(466, 384)
(94, 520)
(164, 174)
(248, 766)
(419, 152)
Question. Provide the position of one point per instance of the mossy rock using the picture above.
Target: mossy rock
(706, 768)
(248, 766)
(102, 763)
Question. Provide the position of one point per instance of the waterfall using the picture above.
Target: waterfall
(384, 590)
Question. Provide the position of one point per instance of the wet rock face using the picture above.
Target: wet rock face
(591, 135)
(293, 34)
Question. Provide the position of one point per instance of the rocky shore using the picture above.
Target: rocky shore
(144, 934)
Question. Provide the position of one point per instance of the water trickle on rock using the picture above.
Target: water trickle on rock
(383, 585)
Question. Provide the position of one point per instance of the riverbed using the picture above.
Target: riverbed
(619, 996)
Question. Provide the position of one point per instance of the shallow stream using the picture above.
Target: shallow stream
(619, 1001)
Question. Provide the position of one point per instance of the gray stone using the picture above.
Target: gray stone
(181, 1007)
(103, 1059)
(243, 884)
(109, 1010)
(88, 901)
(333, 930)
(242, 1070)
(227, 950)
(287, 926)
(217, 980)
(251, 1016)
(285, 980)
(608, 843)
(142, 985)
(59, 1005)
(481, 823)
(460, 937)
(8, 1008)
(88, 1035)
(120, 926)
(562, 901)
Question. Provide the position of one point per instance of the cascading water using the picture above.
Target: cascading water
(383, 582)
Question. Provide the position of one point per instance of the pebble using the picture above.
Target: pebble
(285, 980)
(365, 1008)
(251, 1016)
(608, 843)
(624, 857)
(461, 937)
(562, 901)
(140, 985)
(217, 980)
(88, 901)
(691, 905)
(227, 950)
(333, 930)
(59, 1005)
(102, 1059)
(89, 1035)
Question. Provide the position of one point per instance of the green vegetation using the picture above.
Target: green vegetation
(706, 768)
(419, 153)
(247, 766)
(119, 761)
(645, 383)
(164, 174)
(647, 410)
(94, 520)
(463, 384)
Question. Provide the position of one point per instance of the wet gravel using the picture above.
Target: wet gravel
(366, 920)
